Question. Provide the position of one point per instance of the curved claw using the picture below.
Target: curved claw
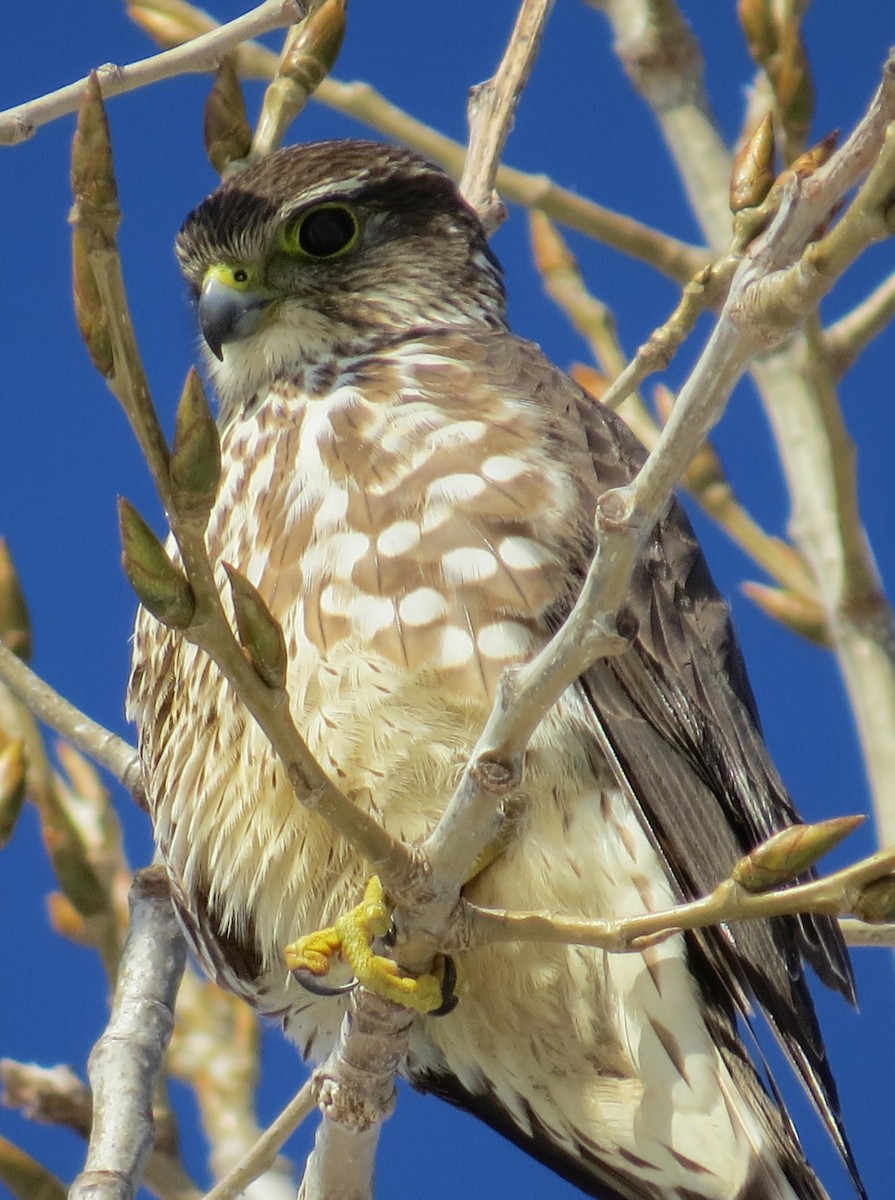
(352, 938)
(312, 983)
(450, 999)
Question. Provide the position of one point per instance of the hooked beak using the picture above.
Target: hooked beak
(230, 308)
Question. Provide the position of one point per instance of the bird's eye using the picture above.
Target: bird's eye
(322, 232)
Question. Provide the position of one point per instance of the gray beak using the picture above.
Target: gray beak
(227, 314)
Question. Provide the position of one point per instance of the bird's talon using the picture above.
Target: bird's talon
(311, 983)
(313, 953)
(309, 958)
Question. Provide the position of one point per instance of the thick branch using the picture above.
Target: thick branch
(356, 1089)
(127, 1058)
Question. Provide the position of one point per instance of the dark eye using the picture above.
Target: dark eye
(323, 232)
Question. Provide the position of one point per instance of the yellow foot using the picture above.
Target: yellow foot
(352, 936)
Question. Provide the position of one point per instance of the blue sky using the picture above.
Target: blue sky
(66, 453)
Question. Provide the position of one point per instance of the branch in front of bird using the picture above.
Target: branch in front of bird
(704, 477)
(626, 515)
(752, 892)
(186, 478)
(104, 307)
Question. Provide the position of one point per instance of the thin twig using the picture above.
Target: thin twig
(263, 1154)
(203, 54)
(492, 109)
(666, 254)
(104, 315)
(103, 746)
(830, 895)
(845, 340)
(308, 54)
(816, 452)
(215, 1051)
(661, 346)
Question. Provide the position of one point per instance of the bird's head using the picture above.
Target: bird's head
(332, 248)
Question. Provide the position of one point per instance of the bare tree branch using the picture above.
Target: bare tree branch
(491, 111)
(215, 1051)
(127, 1058)
(204, 54)
(356, 1090)
(850, 335)
(831, 895)
(181, 21)
(307, 56)
(104, 316)
(103, 746)
(263, 1154)
(816, 452)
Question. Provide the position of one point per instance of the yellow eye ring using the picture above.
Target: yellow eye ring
(322, 232)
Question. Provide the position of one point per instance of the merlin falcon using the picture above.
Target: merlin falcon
(412, 489)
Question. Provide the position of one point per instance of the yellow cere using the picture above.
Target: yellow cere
(234, 275)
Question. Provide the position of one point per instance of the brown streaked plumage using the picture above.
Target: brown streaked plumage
(411, 488)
